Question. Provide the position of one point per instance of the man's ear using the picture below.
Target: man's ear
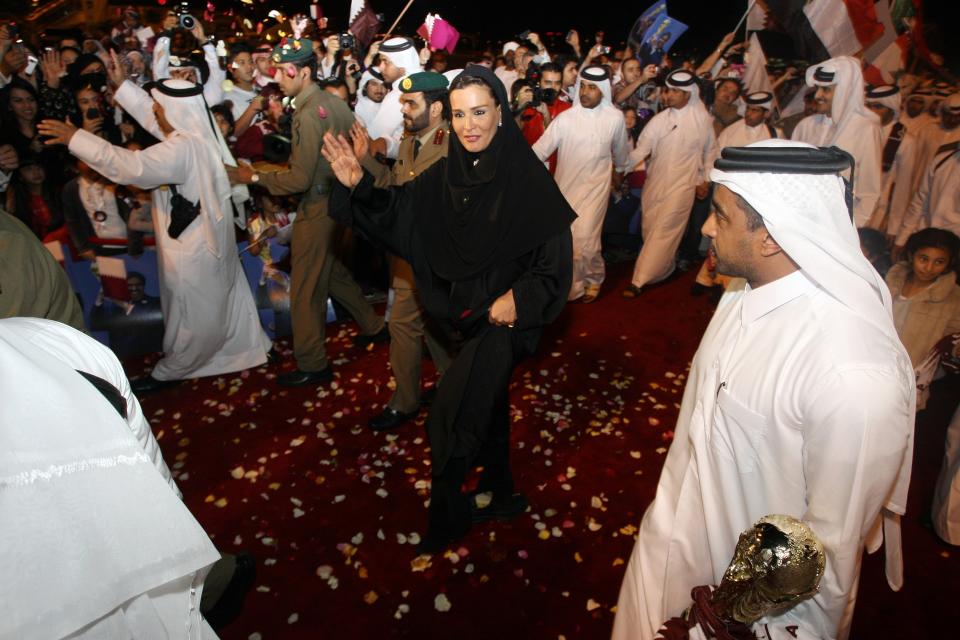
(436, 109)
(768, 246)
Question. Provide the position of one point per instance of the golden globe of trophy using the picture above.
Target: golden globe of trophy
(777, 563)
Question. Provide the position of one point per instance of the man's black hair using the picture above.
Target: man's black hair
(438, 95)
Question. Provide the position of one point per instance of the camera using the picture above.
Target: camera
(93, 113)
(187, 21)
(604, 50)
(346, 40)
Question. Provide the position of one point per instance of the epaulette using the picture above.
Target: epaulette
(439, 136)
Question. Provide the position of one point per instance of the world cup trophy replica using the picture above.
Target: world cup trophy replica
(777, 563)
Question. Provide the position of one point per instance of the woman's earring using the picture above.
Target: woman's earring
(500, 124)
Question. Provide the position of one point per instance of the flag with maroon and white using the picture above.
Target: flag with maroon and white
(113, 278)
(439, 33)
(363, 22)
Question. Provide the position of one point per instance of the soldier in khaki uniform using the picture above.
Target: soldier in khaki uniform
(316, 271)
(426, 134)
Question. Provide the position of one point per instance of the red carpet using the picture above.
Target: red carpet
(330, 508)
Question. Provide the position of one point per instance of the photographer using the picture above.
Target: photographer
(536, 107)
(628, 92)
(186, 53)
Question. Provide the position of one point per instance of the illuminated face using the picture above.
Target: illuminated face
(590, 94)
(416, 116)
(242, 67)
(476, 116)
(630, 69)
(727, 92)
(551, 80)
(222, 124)
(23, 105)
(630, 119)
(928, 264)
(375, 90)
(675, 98)
(390, 71)
(88, 99)
(290, 79)
(734, 245)
(263, 65)
(569, 74)
(824, 99)
(754, 116)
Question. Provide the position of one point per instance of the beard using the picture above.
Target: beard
(418, 123)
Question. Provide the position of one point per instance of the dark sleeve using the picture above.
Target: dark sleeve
(541, 292)
(386, 216)
(78, 224)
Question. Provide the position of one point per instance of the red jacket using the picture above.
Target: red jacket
(533, 125)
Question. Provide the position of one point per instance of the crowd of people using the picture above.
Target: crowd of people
(489, 189)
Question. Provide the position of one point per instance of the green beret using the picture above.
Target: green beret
(423, 81)
(292, 50)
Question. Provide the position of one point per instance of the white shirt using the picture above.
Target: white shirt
(794, 406)
(239, 99)
(99, 200)
(813, 130)
(937, 203)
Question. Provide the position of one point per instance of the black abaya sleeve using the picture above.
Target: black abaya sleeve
(386, 216)
(541, 292)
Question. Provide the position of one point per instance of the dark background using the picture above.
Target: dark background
(499, 20)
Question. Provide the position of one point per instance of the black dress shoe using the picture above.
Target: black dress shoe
(272, 356)
(505, 509)
(389, 419)
(364, 341)
(230, 604)
(298, 378)
(149, 384)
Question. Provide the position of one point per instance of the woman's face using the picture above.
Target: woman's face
(32, 174)
(475, 116)
(223, 125)
(630, 119)
(928, 263)
(88, 99)
(23, 105)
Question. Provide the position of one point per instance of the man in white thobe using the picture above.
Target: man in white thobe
(591, 140)
(936, 203)
(800, 402)
(900, 175)
(211, 325)
(399, 59)
(127, 559)
(676, 144)
(370, 95)
(939, 132)
(856, 130)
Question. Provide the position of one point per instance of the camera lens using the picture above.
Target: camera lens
(187, 21)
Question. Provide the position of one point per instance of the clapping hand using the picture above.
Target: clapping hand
(339, 154)
(361, 139)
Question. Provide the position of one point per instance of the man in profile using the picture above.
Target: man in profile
(800, 400)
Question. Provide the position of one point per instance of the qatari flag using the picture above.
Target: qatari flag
(364, 23)
(822, 29)
(113, 278)
(439, 33)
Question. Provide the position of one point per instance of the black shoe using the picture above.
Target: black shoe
(505, 509)
(149, 384)
(389, 419)
(272, 356)
(298, 378)
(364, 341)
(230, 604)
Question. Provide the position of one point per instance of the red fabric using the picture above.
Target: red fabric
(863, 17)
(292, 475)
(533, 126)
(40, 215)
(250, 144)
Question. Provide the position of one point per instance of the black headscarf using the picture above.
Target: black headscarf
(502, 201)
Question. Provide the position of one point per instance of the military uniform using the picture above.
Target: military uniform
(407, 325)
(316, 271)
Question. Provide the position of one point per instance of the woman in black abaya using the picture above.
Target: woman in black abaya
(488, 235)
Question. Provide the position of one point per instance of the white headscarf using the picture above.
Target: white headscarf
(88, 521)
(686, 81)
(366, 109)
(601, 78)
(887, 95)
(190, 115)
(846, 75)
(807, 215)
(408, 59)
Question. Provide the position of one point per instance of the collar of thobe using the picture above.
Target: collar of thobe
(762, 300)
